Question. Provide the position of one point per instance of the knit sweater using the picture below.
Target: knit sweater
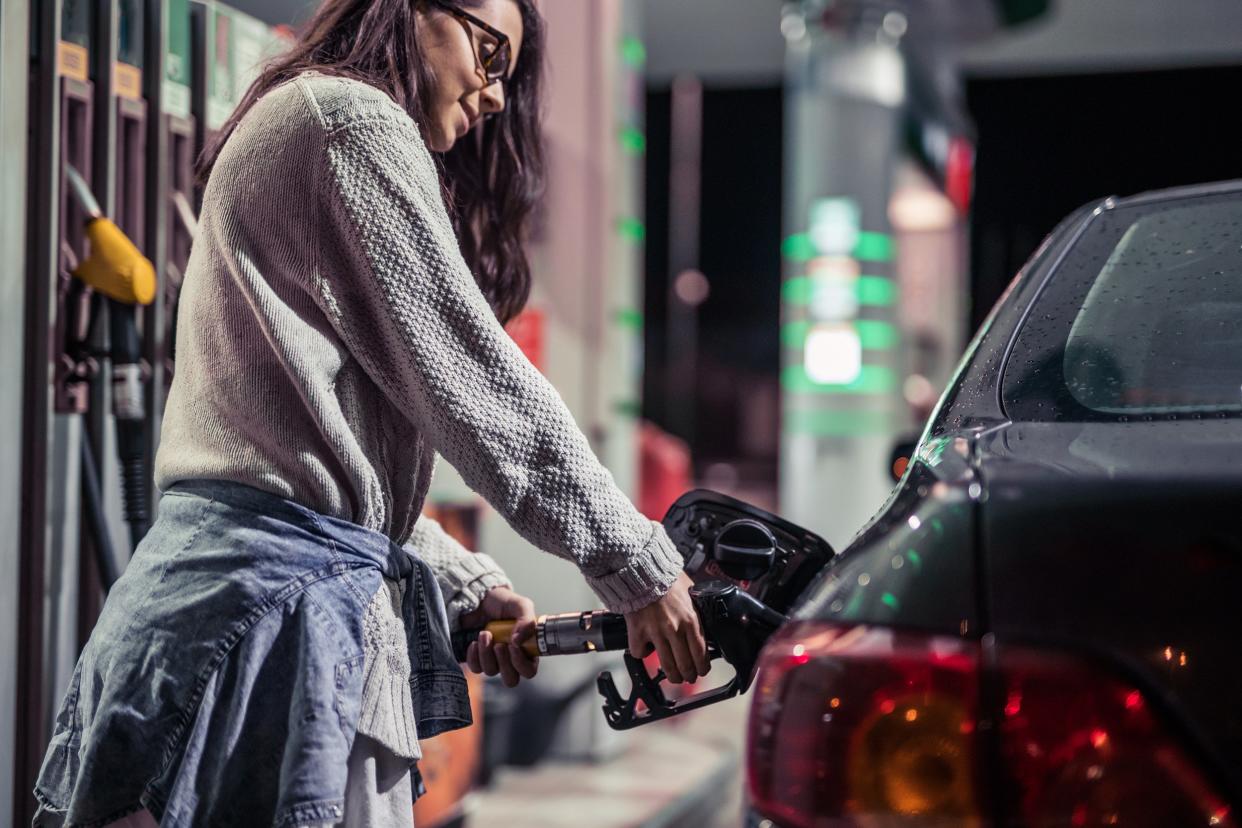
(332, 341)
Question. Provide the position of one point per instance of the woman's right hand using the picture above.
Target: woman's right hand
(671, 626)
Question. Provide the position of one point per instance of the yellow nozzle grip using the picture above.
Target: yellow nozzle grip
(116, 267)
(502, 633)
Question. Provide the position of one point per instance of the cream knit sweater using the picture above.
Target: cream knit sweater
(331, 341)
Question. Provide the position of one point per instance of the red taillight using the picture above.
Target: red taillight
(1085, 749)
(863, 726)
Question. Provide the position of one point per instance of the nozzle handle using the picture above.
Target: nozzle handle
(502, 633)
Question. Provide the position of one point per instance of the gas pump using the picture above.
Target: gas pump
(85, 439)
(182, 128)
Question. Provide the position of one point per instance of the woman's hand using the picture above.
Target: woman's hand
(672, 626)
(491, 657)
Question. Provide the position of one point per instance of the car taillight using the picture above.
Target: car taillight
(865, 726)
(1083, 748)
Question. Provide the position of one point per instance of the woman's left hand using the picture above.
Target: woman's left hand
(491, 657)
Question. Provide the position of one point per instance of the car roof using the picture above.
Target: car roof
(1175, 193)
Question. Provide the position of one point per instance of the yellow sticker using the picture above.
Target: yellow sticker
(127, 80)
(73, 61)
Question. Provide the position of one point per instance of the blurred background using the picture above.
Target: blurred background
(772, 228)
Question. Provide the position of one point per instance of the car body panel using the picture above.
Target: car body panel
(1117, 540)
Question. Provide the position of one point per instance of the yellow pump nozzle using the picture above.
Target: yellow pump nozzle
(115, 267)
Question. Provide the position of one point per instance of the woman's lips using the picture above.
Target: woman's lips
(465, 122)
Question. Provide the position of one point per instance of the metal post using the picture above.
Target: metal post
(685, 170)
(41, 258)
(841, 372)
(14, 179)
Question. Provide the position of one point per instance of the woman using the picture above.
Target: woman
(280, 640)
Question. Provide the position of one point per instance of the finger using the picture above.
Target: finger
(524, 629)
(487, 655)
(640, 642)
(667, 660)
(507, 672)
(523, 663)
(698, 649)
(472, 657)
(681, 652)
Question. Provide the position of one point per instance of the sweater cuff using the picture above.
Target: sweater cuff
(645, 579)
(473, 575)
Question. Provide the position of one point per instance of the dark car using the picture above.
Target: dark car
(1043, 624)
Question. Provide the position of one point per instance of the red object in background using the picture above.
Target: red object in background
(451, 761)
(526, 329)
(664, 474)
(664, 469)
(959, 172)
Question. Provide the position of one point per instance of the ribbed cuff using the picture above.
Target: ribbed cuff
(649, 574)
(472, 577)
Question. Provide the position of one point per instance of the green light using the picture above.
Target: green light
(632, 229)
(873, 334)
(914, 558)
(876, 335)
(630, 318)
(633, 141)
(627, 408)
(835, 423)
(890, 600)
(633, 52)
(797, 291)
(937, 526)
(874, 247)
(871, 290)
(793, 334)
(872, 379)
(876, 290)
(798, 248)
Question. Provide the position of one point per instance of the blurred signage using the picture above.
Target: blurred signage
(175, 90)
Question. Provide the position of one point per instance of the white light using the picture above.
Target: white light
(833, 354)
(834, 293)
(914, 522)
(915, 209)
(793, 27)
(691, 287)
(834, 225)
(895, 24)
(918, 391)
(834, 299)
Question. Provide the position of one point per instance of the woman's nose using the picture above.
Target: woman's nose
(492, 98)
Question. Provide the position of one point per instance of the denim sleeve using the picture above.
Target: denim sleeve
(464, 577)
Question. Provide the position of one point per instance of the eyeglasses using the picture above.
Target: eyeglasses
(496, 62)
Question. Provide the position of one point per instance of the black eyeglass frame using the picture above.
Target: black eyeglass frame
(502, 41)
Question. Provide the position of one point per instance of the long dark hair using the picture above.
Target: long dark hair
(492, 181)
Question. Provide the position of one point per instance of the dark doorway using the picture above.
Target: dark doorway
(739, 252)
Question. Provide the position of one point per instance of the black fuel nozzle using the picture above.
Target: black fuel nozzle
(749, 567)
(735, 624)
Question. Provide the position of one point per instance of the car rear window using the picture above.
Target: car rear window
(1143, 318)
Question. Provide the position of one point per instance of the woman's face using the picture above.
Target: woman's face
(453, 49)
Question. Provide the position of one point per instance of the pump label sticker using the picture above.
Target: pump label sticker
(72, 61)
(127, 80)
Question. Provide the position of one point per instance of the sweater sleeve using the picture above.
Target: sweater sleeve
(464, 577)
(408, 309)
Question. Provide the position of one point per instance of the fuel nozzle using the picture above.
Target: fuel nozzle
(564, 634)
